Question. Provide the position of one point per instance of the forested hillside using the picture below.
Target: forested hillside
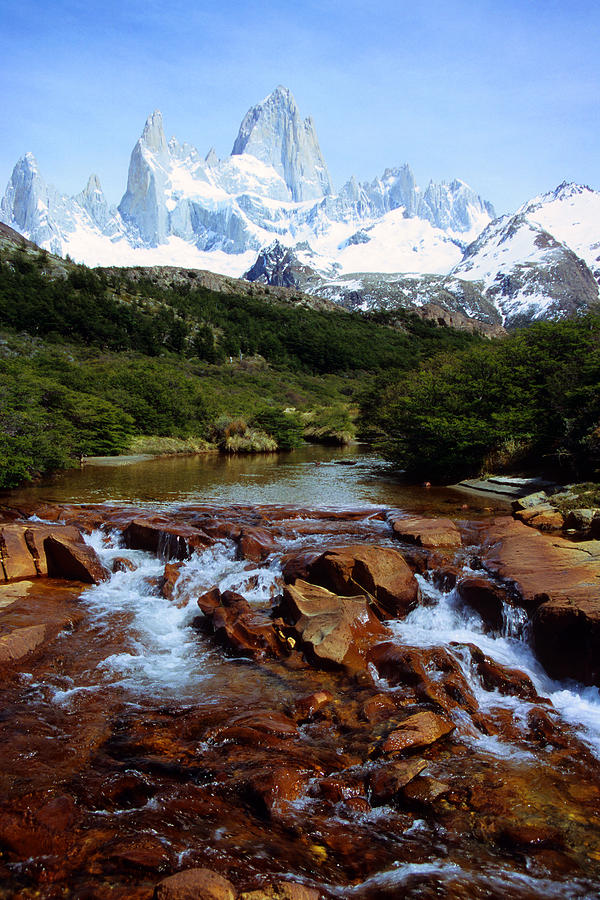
(530, 401)
(91, 360)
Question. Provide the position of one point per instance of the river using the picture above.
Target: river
(158, 749)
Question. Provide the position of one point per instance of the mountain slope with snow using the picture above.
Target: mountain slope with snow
(543, 262)
(371, 245)
(182, 208)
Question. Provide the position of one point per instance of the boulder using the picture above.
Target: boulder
(334, 630)
(237, 626)
(566, 638)
(496, 677)
(545, 517)
(581, 519)
(562, 575)
(538, 498)
(380, 573)
(419, 730)
(22, 553)
(73, 560)
(209, 601)
(170, 577)
(195, 884)
(431, 533)
(256, 544)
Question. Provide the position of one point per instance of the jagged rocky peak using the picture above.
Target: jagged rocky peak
(274, 133)
(26, 195)
(153, 136)
(92, 199)
(275, 265)
(142, 206)
(211, 159)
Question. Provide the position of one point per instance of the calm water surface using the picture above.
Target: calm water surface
(312, 476)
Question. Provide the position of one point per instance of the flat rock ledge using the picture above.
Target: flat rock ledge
(558, 582)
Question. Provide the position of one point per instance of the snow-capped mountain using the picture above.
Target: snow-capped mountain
(543, 262)
(185, 209)
(269, 210)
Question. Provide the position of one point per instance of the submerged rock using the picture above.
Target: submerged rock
(195, 884)
(419, 730)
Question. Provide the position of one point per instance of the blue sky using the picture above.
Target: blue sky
(504, 94)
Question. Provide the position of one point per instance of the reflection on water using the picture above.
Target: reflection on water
(313, 476)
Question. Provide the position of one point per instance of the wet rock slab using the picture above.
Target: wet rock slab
(558, 582)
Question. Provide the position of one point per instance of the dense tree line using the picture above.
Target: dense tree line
(111, 312)
(530, 400)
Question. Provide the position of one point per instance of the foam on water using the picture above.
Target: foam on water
(162, 653)
(500, 881)
(443, 620)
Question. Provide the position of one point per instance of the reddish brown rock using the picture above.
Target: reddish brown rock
(237, 626)
(398, 664)
(425, 790)
(340, 787)
(195, 884)
(298, 565)
(256, 544)
(419, 730)
(544, 517)
(565, 577)
(496, 677)
(169, 580)
(380, 573)
(209, 601)
(20, 642)
(307, 707)
(22, 552)
(485, 598)
(58, 814)
(278, 786)
(282, 890)
(387, 780)
(166, 539)
(378, 708)
(334, 629)
(270, 721)
(430, 533)
(73, 560)
(122, 564)
(445, 578)
(566, 637)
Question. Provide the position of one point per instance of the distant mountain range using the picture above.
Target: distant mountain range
(269, 211)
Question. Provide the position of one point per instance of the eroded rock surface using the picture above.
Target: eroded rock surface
(558, 581)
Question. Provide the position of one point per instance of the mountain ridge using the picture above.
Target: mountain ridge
(382, 244)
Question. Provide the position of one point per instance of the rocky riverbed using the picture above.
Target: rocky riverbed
(302, 703)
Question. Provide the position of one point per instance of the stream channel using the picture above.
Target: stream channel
(143, 747)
